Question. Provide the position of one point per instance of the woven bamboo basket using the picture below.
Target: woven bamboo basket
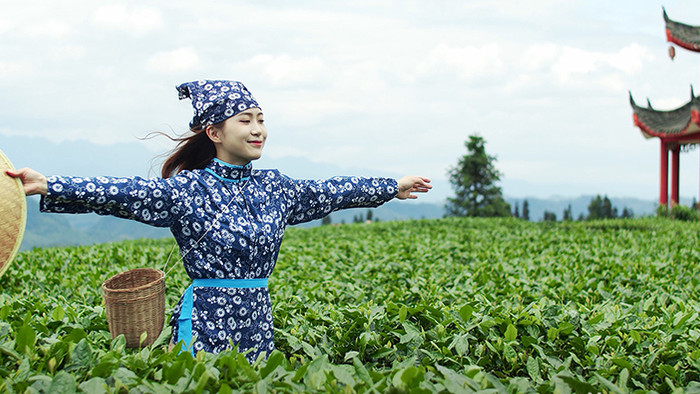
(134, 304)
(13, 214)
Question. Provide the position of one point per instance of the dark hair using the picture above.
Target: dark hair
(193, 151)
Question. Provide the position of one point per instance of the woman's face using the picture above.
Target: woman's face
(240, 138)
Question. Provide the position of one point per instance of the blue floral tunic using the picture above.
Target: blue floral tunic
(228, 222)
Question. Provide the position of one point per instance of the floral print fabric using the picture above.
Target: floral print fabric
(228, 222)
(216, 101)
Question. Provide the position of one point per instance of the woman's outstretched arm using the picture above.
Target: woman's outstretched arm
(33, 181)
(412, 184)
(149, 201)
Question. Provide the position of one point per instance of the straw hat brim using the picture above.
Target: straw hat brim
(13, 214)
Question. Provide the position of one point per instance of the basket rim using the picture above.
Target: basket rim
(160, 277)
(17, 195)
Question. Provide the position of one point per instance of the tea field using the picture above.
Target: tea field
(449, 305)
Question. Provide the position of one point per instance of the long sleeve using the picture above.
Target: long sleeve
(150, 201)
(312, 200)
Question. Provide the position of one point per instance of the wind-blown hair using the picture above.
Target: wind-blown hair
(193, 151)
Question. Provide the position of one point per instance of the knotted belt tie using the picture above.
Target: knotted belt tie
(184, 322)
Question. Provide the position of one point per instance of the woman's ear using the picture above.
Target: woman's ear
(213, 133)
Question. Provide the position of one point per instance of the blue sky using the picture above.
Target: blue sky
(389, 86)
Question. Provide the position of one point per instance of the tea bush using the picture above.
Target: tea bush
(449, 305)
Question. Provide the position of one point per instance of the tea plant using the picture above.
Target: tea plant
(451, 305)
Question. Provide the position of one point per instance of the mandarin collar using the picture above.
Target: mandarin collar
(229, 172)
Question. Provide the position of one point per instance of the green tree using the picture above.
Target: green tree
(609, 212)
(526, 210)
(549, 216)
(627, 213)
(516, 213)
(567, 216)
(595, 208)
(473, 179)
(601, 208)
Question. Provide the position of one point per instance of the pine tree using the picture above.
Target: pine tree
(549, 216)
(627, 213)
(526, 210)
(608, 211)
(474, 180)
(516, 213)
(595, 208)
(567, 214)
(601, 208)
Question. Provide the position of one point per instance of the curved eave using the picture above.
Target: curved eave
(674, 124)
(685, 36)
(692, 129)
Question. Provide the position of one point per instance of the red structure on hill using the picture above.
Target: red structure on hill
(677, 127)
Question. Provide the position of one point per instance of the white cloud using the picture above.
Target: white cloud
(178, 60)
(136, 20)
(288, 71)
(539, 56)
(631, 58)
(466, 62)
(52, 29)
(573, 62)
(5, 25)
(9, 71)
(63, 52)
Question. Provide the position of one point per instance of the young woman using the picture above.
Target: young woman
(227, 218)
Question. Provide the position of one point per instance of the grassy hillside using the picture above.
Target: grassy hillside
(449, 305)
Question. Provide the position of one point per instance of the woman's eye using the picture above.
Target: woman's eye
(246, 121)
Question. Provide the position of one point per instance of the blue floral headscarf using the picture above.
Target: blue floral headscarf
(216, 101)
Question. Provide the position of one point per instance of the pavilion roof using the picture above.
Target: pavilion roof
(676, 123)
(683, 35)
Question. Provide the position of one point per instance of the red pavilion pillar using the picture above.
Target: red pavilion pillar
(663, 186)
(675, 169)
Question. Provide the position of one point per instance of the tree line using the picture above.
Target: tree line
(474, 181)
(598, 208)
(358, 218)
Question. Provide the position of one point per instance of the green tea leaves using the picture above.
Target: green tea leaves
(451, 305)
(511, 333)
(24, 342)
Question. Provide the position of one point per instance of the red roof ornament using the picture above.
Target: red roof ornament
(671, 52)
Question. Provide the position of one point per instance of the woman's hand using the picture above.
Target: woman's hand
(33, 181)
(410, 184)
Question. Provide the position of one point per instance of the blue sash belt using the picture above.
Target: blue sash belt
(184, 322)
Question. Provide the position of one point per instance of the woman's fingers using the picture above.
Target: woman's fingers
(411, 184)
(33, 181)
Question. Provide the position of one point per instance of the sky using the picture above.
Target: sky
(390, 86)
